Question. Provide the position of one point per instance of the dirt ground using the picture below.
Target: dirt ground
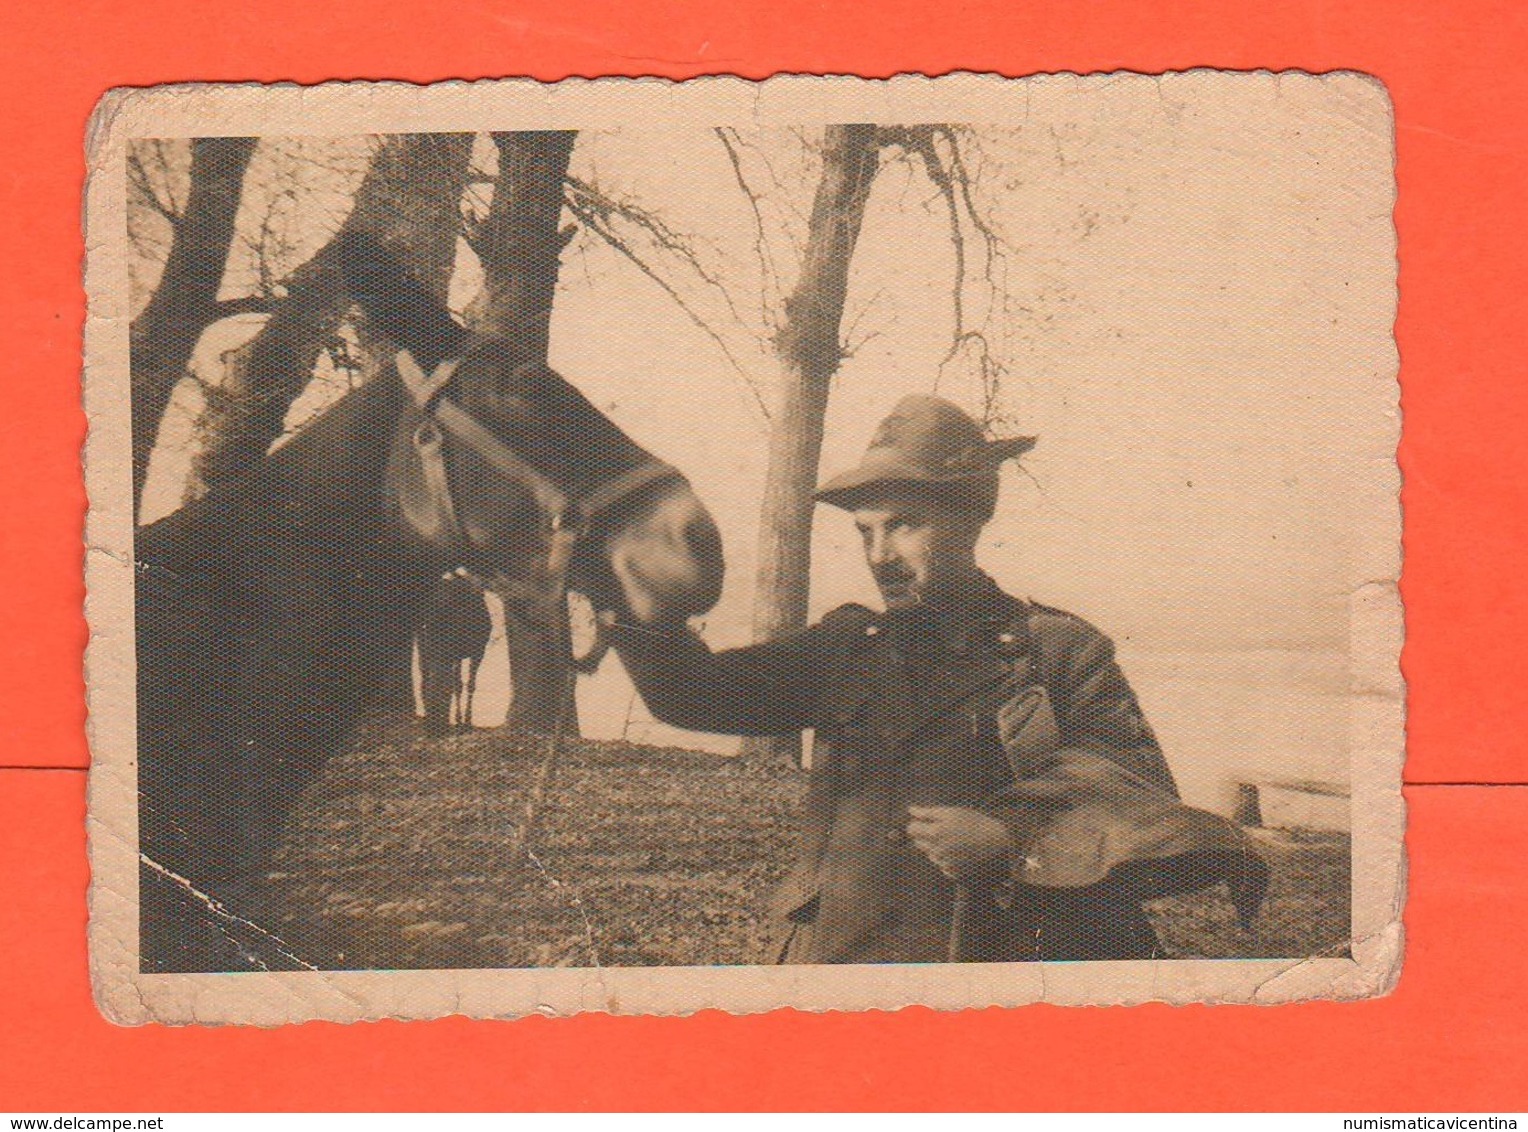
(399, 857)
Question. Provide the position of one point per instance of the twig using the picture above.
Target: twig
(769, 275)
(596, 224)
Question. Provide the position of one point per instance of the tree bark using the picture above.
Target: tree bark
(519, 244)
(809, 350)
(410, 199)
(186, 301)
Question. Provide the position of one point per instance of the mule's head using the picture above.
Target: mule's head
(527, 469)
(646, 544)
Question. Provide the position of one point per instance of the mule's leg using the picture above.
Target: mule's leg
(437, 687)
(471, 692)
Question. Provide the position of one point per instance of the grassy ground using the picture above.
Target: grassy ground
(399, 858)
(1306, 912)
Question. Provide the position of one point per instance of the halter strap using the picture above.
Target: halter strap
(567, 518)
(426, 391)
(461, 424)
(425, 387)
(429, 446)
(614, 491)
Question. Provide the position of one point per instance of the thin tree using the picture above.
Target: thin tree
(519, 243)
(185, 302)
(808, 345)
(410, 199)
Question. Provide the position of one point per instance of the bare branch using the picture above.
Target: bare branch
(597, 222)
(938, 149)
(769, 276)
(919, 141)
(961, 179)
(787, 200)
(849, 343)
(141, 183)
(163, 156)
(593, 199)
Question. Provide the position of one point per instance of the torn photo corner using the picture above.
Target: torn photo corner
(649, 547)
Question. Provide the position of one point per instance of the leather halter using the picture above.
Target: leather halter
(566, 518)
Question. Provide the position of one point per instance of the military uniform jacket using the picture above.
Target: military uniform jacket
(1005, 706)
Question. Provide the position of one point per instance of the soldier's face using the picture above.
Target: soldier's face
(916, 548)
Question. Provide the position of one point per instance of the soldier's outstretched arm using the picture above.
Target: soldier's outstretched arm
(763, 689)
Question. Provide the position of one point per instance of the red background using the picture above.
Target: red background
(1451, 1037)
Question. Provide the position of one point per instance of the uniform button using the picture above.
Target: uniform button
(1006, 638)
(872, 630)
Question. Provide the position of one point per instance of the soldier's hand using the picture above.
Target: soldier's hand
(962, 843)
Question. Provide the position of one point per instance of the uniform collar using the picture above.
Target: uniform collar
(934, 659)
(953, 617)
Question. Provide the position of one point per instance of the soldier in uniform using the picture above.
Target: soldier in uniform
(983, 785)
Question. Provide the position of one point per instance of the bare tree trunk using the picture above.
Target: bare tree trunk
(520, 243)
(520, 246)
(539, 673)
(809, 350)
(410, 199)
(186, 301)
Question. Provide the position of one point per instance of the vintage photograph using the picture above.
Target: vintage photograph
(644, 547)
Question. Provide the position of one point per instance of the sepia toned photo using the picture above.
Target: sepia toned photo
(819, 543)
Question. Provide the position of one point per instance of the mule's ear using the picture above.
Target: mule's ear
(396, 303)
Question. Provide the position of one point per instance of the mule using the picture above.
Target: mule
(453, 634)
(273, 614)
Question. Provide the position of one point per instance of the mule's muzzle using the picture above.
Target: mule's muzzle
(704, 540)
(667, 562)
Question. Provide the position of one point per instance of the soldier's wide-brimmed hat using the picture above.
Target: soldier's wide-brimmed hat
(1095, 823)
(929, 441)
